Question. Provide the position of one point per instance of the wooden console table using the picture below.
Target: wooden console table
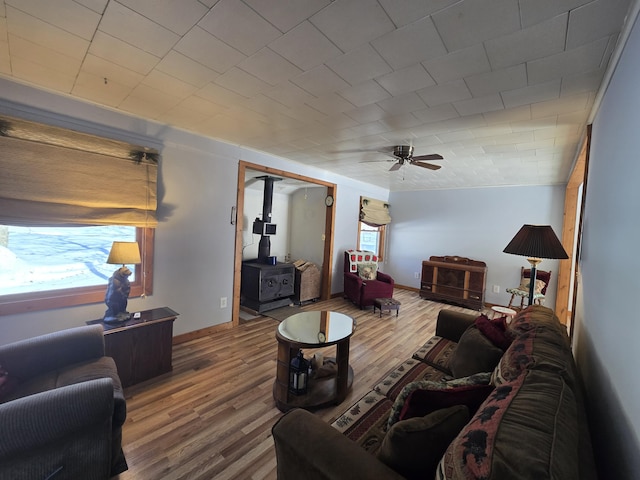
(141, 347)
(454, 279)
(314, 329)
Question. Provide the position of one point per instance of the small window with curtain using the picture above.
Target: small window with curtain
(374, 217)
(65, 196)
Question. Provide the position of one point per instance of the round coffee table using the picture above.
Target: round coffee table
(507, 312)
(309, 330)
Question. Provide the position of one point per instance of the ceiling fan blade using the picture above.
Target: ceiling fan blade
(395, 166)
(433, 156)
(430, 166)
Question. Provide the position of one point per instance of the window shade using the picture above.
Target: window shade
(51, 181)
(374, 212)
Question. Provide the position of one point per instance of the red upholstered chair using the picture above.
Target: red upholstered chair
(363, 283)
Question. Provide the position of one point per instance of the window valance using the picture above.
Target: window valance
(374, 212)
(50, 175)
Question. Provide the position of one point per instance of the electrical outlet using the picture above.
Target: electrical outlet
(223, 302)
(416, 275)
(496, 289)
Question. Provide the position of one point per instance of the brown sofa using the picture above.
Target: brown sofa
(61, 408)
(518, 414)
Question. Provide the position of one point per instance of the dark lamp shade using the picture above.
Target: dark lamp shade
(124, 253)
(536, 241)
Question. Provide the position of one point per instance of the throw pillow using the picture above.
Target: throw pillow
(495, 331)
(414, 447)
(368, 271)
(447, 393)
(536, 289)
(474, 354)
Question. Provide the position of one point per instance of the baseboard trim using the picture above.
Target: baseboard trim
(203, 332)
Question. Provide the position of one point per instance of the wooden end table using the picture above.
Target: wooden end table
(315, 329)
(141, 347)
(386, 304)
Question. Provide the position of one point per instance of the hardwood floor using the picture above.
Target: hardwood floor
(211, 417)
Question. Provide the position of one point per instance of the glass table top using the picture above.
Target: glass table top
(317, 327)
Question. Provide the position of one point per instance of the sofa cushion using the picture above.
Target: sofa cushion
(7, 384)
(526, 429)
(474, 354)
(420, 398)
(365, 422)
(436, 352)
(414, 447)
(409, 371)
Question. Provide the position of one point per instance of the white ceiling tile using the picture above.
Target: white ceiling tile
(269, 67)
(168, 84)
(516, 114)
(330, 104)
(404, 80)
(533, 94)
(131, 27)
(457, 65)
(497, 81)
(437, 114)
(286, 15)
(560, 106)
(583, 59)
(305, 46)
(403, 12)
(400, 122)
(367, 129)
(223, 20)
(181, 115)
(359, 65)
(121, 53)
(289, 94)
(366, 114)
(585, 82)
(535, 123)
(488, 103)
(182, 67)
(319, 81)
(48, 78)
(44, 56)
(595, 20)
(97, 6)
(468, 23)
(410, 44)
(353, 23)
(176, 15)
(208, 3)
(241, 82)
(445, 93)
(148, 101)
(365, 94)
(102, 68)
(64, 14)
(41, 33)
(201, 46)
(92, 87)
(201, 106)
(409, 102)
(536, 11)
(219, 95)
(541, 40)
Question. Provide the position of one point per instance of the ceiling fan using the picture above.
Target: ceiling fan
(404, 154)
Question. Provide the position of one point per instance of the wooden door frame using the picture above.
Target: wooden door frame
(327, 262)
(565, 280)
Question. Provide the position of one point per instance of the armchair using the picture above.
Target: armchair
(61, 408)
(363, 283)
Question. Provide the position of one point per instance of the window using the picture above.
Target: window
(371, 238)
(55, 266)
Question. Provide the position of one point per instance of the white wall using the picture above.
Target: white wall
(608, 327)
(476, 223)
(194, 246)
(308, 216)
(280, 215)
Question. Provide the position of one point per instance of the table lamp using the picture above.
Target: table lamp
(536, 242)
(119, 287)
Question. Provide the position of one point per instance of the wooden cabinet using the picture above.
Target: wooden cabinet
(453, 279)
(141, 347)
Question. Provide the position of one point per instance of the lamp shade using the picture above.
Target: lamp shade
(536, 241)
(124, 253)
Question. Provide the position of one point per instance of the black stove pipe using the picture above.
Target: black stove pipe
(264, 247)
